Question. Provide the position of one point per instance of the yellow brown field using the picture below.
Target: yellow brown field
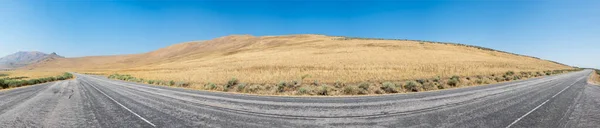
(306, 59)
(595, 77)
(30, 74)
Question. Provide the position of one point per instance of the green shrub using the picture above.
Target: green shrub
(240, 87)
(302, 90)
(389, 87)
(509, 73)
(171, 83)
(281, 86)
(421, 81)
(412, 86)
(430, 86)
(232, 82)
(225, 89)
(364, 86)
(3, 84)
(453, 82)
(151, 81)
(323, 90)
(350, 90)
(210, 86)
(437, 79)
(516, 77)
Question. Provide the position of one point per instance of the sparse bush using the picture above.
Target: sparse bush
(389, 87)
(316, 83)
(350, 90)
(171, 83)
(281, 86)
(151, 81)
(453, 82)
(364, 86)
(225, 89)
(210, 86)
(412, 86)
(509, 73)
(421, 81)
(302, 90)
(516, 77)
(323, 90)
(240, 87)
(455, 77)
(232, 82)
(437, 79)
(430, 86)
(2, 85)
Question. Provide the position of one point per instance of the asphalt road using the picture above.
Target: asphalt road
(565, 100)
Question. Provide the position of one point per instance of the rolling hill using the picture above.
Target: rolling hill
(327, 59)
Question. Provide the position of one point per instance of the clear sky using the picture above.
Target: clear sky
(565, 31)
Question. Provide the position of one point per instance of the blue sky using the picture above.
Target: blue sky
(564, 31)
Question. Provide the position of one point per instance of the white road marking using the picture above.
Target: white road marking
(124, 107)
(518, 119)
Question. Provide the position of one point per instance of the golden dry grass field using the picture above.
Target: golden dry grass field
(31, 74)
(595, 77)
(327, 59)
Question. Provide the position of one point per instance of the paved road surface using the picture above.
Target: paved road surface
(91, 101)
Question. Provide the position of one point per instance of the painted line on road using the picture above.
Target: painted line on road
(518, 119)
(125, 107)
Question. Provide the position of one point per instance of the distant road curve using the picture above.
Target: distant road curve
(565, 100)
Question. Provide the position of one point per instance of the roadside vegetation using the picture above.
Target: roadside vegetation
(595, 77)
(13, 82)
(146, 81)
(299, 87)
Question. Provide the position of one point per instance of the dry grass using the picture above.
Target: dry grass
(31, 74)
(271, 59)
(595, 77)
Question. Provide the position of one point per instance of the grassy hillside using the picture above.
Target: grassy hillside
(327, 59)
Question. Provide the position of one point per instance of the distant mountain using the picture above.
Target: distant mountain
(24, 58)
